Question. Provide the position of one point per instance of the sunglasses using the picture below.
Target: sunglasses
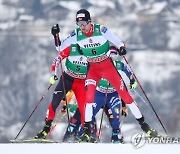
(82, 23)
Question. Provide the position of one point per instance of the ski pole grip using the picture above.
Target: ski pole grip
(57, 40)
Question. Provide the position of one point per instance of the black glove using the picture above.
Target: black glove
(55, 77)
(124, 111)
(122, 51)
(63, 109)
(55, 30)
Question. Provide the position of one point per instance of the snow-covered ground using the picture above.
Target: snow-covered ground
(84, 148)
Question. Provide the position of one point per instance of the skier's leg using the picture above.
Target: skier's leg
(73, 126)
(124, 94)
(80, 93)
(98, 104)
(112, 110)
(115, 79)
(57, 97)
(59, 94)
(90, 85)
(126, 97)
(141, 120)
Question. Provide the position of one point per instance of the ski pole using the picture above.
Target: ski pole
(58, 121)
(33, 110)
(122, 121)
(122, 115)
(140, 96)
(105, 99)
(58, 43)
(146, 96)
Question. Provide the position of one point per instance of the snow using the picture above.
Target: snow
(26, 18)
(157, 7)
(85, 148)
(7, 12)
(161, 67)
(71, 5)
(102, 3)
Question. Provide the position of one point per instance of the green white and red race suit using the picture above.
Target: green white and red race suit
(95, 47)
(74, 79)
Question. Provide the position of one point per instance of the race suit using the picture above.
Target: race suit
(112, 102)
(95, 47)
(74, 79)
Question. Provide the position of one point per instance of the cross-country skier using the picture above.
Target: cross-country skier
(112, 107)
(74, 79)
(94, 40)
(112, 110)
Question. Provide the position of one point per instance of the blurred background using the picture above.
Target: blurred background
(150, 29)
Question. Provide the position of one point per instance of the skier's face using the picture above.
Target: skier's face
(114, 56)
(84, 26)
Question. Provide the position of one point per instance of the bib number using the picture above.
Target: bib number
(93, 51)
(78, 68)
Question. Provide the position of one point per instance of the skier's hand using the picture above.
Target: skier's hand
(122, 51)
(63, 109)
(133, 86)
(124, 111)
(55, 30)
(53, 79)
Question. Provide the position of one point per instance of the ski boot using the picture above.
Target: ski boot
(73, 127)
(146, 128)
(87, 135)
(117, 136)
(70, 133)
(43, 133)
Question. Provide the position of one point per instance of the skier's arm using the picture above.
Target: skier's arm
(113, 39)
(61, 45)
(125, 69)
(64, 53)
(71, 39)
(54, 66)
(128, 73)
(66, 43)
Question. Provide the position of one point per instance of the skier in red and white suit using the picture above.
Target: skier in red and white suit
(74, 74)
(94, 41)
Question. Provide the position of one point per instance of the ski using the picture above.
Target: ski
(32, 140)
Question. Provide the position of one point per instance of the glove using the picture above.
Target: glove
(55, 30)
(124, 111)
(133, 86)
(63, 109)
(122, 51)
(53, 79)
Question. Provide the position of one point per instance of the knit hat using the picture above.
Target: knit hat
(83, 15)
